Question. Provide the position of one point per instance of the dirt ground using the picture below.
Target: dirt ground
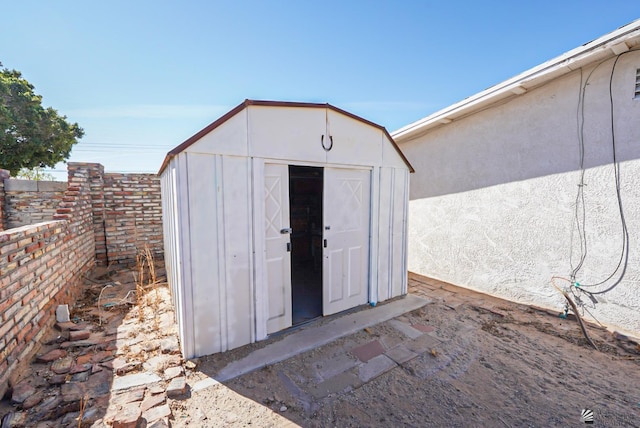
(464, 359)
(491, 363)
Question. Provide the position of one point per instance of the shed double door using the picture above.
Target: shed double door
(345, 250)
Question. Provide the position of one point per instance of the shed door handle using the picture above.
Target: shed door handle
(286, 230)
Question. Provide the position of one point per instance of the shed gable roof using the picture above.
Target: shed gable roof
(623, 39)
(246, 103)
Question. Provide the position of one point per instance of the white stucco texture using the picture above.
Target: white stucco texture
(493, 199)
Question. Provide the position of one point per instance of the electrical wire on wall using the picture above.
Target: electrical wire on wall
(577, 289)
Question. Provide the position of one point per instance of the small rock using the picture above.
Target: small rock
(51, 356)
(64, 326)
(62, 313)
(45, 410)
(170, 346)
(32, 400)
(79, 368)
(80, 377)
(177, 387)
(156, 389)
(99, 384)
(69, 418)
(160, 423)
(80, 326)
(57, 379)
(283, 408)
(156, 364)
(172, 372)
(84, 359)
(156, 413)
(128, 417)
(190, 365)
(128, 367)
(65, 408)
(102, 356)
(149, 346)
(21, 392)
(19, 419)
(152, 401)
(130, 396)
(62, 365)
(74, 336)
(91, 415)
(73, 391)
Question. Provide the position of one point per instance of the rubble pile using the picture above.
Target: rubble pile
(116, 362)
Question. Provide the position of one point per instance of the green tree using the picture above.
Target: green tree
(35, 174)
(30, 135)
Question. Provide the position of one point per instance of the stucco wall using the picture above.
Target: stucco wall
(493, 198)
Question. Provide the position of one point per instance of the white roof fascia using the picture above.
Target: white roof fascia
(609, 45)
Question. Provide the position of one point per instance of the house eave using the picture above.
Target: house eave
(608, 46)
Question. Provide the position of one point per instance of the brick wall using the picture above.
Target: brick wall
(133, 216)
(30, 202)
(126, 209)
(41, 266)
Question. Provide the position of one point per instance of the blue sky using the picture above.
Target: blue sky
(142, 76)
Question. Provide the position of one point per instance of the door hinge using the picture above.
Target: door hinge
(288, 247)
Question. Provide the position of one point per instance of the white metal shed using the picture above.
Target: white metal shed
(278, 213)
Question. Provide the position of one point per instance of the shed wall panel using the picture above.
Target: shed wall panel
(390, 156)
(203, 218)
(230, 138)
(171, 239)
(185, 291)
(287, 133)
(398, 222)
(353, 144)
(238, 265)
(385, 233)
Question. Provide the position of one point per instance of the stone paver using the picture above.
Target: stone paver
(307, 339)
(153, 400)
(172, 372)
(129, 396)
(424, 328)
(367, 351)
(333, 366)
(424, 343)
(375, 367)
(137, 379)
(157, 412)
(336, 384)
(405, 329)
(401, 354)
(177, 387)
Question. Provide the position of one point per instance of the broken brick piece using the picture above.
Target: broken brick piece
(79, 335)
(51, 356)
